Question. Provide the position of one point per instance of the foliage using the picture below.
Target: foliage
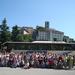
(15, 33)
(27, 38)
(5, 34)
(17, 36)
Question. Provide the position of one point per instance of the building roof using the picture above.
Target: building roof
(48, 42)
(51, 29)
(48, 30)
(38, 42)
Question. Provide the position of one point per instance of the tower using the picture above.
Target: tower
(47, 24)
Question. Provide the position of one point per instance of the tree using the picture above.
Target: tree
(27, 38)
(20, 38)
(17, 36)
(5, 34)
(15, 33)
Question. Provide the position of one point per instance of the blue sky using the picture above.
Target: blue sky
(60, 14)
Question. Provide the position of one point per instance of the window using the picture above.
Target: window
(54, 39)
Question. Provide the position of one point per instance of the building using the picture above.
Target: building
(47, 34)
(40, 45)
(26, 30)
(67, 39)
(71, 40)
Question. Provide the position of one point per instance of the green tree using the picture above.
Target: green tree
(17, 36)
(20, 38)
(27, 38)
(15, 33)
(5, 34)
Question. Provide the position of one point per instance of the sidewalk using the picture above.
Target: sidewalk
(19, 71)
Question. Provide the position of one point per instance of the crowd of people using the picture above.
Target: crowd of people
(27, 60)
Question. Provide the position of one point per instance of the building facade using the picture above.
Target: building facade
(67, 39)
(47, 34)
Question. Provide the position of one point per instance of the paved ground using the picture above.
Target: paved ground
(19, 71)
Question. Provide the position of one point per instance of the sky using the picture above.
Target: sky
(60, 14)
